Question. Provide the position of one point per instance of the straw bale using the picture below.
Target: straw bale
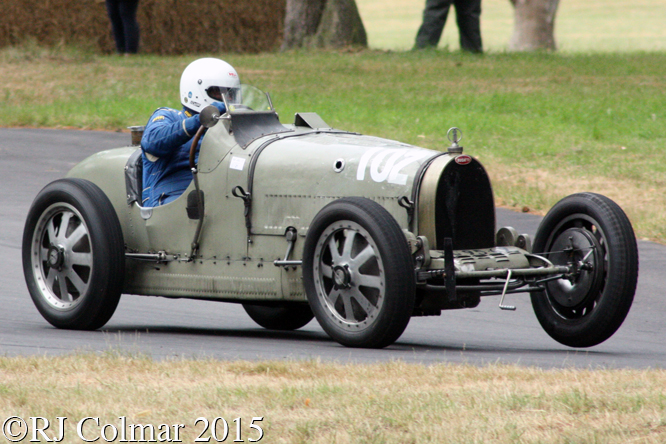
(167, 26)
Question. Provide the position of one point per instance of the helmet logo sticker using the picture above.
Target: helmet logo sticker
(463, 159)
(199, 81)
(189, 94)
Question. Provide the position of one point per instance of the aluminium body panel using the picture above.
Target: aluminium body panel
(296, 177)
(291, 176)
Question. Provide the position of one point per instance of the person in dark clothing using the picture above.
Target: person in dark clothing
(122, 14)
(468, 17)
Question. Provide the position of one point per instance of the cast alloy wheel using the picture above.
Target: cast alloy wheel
(359, 273)
(73, 255)
(349, 275)
(61, 256)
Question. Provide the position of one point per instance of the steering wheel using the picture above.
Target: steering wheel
(195, 143)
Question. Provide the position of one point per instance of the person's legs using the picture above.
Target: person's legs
(434, 18)
(127, 12)
(112, 8)
(468, 17)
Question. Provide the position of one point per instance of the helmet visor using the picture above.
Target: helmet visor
(216, 92)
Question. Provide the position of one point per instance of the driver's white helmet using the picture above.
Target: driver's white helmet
(205, 80)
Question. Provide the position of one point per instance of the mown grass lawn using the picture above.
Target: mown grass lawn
(580, 25)
(314, 402)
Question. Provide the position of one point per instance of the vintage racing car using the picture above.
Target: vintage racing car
(302, 220)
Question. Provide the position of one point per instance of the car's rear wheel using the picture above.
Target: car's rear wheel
(592, 233)
(73, 255)
(284, 317)
(358, 273)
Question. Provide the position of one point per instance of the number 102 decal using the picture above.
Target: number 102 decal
(386, 164)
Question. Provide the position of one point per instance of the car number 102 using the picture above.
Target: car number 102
(391, 161)
(219, 429)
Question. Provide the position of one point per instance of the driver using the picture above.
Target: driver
(168, 135)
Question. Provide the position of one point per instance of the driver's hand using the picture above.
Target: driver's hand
(220, 106)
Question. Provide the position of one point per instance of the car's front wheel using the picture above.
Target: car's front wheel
(73, 255)
(358, 273)
(591, 234)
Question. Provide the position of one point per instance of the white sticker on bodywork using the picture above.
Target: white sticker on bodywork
(386, 163)
(237, 163)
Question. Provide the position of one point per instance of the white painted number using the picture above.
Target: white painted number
(386, 164)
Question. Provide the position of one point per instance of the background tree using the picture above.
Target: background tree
(323, 24)
(534, 25)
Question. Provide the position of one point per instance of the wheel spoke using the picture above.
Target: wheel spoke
(333, 297)
(64, 294)
(76, 281)
(326, 271)
(80, 259)
(363, 257)
(50, 277)
(349, 311)
(350, 235)
(364, 302)
(75, 237)
(333, 247)
(367, 280)
(50, 228)
(64, 223)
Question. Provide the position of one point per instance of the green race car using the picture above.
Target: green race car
(303, 220)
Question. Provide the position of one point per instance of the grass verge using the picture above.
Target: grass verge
(314, 402)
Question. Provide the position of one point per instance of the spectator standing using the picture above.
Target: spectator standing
(122, 14)
(468, 17)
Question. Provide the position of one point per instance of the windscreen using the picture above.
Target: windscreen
(251, 99)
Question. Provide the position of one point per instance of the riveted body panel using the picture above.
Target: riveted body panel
(294, 175)
(289, 177)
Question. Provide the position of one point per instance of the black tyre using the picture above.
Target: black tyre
(593, 232)
(285, 317)
(73, 255)
(359, 273)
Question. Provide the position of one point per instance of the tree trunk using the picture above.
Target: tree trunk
(534, 25)
(323, 24)
(301, 20)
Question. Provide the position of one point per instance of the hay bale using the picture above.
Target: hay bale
(168, 27)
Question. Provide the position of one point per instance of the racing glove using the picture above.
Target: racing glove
(191, 125)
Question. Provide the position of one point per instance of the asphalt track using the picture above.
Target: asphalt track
(164, 328)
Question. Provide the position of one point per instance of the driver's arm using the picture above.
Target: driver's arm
(166, 131)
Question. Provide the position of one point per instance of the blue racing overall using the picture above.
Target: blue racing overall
(166, 145)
